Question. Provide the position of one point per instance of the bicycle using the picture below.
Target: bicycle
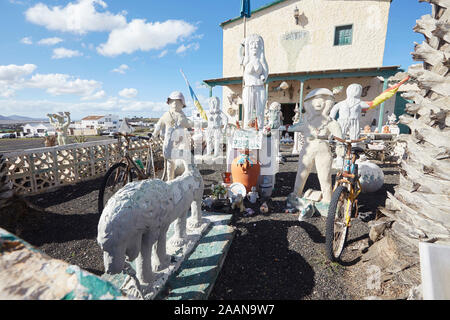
(125, 170)
(344, 204)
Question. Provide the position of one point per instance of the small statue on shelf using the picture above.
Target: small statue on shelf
(253, 195)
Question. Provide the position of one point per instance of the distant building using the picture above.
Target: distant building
(108, 122)
(38, 129)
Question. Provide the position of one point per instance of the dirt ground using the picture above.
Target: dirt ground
(273, 255)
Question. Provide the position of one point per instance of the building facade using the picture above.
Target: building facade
(108, 122)
(312, 44)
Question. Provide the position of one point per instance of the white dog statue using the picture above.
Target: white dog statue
(139, 215)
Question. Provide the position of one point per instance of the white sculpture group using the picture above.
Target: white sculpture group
(217, 125)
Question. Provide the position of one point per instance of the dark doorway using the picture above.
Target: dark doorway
(287, 109)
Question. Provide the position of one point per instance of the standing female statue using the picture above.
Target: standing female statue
(256, 72)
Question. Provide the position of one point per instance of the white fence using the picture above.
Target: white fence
(41, 170)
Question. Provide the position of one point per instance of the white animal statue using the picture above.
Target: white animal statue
(60, 126)
(316, 152)
(215, 133)
(350, 111)
(171, 125)
(256, 72)
(139, 215)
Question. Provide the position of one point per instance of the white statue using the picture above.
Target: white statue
(139, 215)
(316, 152)
(350, 111)
(275, 116)
(172, 126)
(253, 195)
(298, 138)
(256, 72)
(215, 132)
(60, 126)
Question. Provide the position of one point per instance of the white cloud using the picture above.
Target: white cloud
(61, 53)
(140, 35)
(12, 78)
(96, 96)
(121, 69)
(26, 40)
(50, 41)
(163, 53)
(78, 17)
(128, 93)
(58, 84)
(182, 49)
(13, 72)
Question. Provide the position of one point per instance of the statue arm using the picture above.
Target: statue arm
(67, 124)
(335, 129)
(158, 127)
(364, 106)
(334, 111)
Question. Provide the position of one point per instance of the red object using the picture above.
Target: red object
(226, 176)
(238, 125)
(245, 170)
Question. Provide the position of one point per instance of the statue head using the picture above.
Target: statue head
(214, 105)
(318, 101)
(275, 106)
(254, 48)
(354, 91)
(176, 100)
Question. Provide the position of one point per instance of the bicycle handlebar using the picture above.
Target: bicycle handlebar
(331, 138)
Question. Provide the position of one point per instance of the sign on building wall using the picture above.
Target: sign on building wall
(293, 42)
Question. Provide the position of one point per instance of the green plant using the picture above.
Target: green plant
(219, 190)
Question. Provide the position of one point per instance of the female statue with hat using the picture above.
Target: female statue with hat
(171, 125)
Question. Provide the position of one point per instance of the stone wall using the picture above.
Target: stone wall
(40, 170)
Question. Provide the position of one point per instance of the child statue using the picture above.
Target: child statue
(214, 131)
(172, 125)
(350, 111)
(298, 138)
(316, 152)
(60, 126)
(256, 72)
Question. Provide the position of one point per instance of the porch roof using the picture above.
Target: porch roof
(384, 72)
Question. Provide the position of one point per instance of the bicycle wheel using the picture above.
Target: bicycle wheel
(336, 227)
(116, 178)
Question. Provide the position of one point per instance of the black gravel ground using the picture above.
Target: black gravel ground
(273, 256)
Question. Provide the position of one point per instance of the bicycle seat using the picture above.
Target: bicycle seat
(357, 150)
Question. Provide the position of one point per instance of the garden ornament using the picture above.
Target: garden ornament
(177, 141)
(60, 126)
(256, 72)
(138, 217)
(316, 152)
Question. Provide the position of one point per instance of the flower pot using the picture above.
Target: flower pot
(245, 170)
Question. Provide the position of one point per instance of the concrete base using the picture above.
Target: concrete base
(127, 281)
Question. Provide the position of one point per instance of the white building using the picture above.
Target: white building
(108, 122)
(313, 44)
(38, 129)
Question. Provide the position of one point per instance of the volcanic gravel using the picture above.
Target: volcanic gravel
(272, 256)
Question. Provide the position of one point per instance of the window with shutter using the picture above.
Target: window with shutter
(343, 35)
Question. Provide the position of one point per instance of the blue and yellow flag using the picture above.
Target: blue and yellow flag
(245, 9)
(195, 99)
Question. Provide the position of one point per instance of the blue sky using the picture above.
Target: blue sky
(123, 57)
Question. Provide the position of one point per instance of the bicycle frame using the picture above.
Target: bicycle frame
(348, 178)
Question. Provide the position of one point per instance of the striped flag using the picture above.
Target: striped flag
(245, 9)
(194, 98)
(387, 94)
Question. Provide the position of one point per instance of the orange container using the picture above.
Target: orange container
(245, 170)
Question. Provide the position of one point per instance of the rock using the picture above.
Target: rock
(372, 177)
